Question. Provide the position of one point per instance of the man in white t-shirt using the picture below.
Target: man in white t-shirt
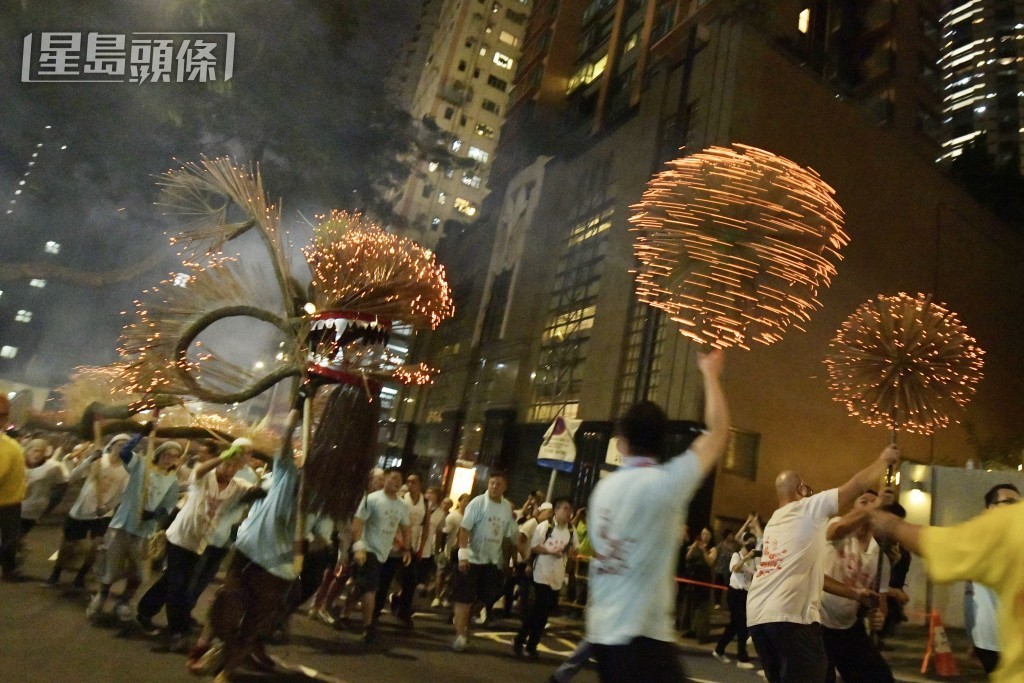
(783, 604)
(215, 499)
(450, 545)
(105, 481)
(852, 559)
(486, 539)
(408, 573)
(634, 519)
(380, 516)
(43, 474)
(552, 542)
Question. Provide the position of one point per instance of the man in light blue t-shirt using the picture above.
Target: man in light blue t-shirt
(380, 515)
(634, 520)
(486, 539)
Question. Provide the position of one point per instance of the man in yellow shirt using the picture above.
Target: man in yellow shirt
(988, 549)
(12, 492)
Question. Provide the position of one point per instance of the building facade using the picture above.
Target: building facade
(549, 323)
(462, 88)
(982, 67)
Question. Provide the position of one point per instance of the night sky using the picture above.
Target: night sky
(306, 100)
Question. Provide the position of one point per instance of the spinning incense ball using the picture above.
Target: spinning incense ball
(735, 243)
(904, 362)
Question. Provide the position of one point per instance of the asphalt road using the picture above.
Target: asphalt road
(45, 637)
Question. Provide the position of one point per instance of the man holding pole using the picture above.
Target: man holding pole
(149, 498)
(784, 601)
(635, 517)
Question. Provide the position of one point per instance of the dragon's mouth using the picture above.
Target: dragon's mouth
(343, 343)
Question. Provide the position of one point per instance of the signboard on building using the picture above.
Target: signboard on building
(558, 449)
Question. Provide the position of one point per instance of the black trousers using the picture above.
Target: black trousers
(172, 590)
(10, 533)
(642, 660)
(407, 579)
(851, 652)
(989, 659)
(205, 571)
(737, 626)
(535, 619)
(790, 653)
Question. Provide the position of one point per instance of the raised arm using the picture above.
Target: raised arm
(889, 525)
(867, 477)
(127, 451)
(710, 445)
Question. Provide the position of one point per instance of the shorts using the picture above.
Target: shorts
(80, 529)
(126, 556)
(481, 582)
(367, 575)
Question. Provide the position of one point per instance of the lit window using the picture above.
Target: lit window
(36, 282)
(483, 51)
(181, 280)
(432, 166)
(478, 154)
(435, 221)
(8, 351)
(471, 180)
(52, 248)
(508, 38)
(504, 61)
(484, 130)
(804, 22)
(442, 198)
(456, 145)
(23, 316)
(465, 206)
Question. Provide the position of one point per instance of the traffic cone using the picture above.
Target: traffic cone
(938, 644)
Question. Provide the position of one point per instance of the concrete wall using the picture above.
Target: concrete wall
(911, 230)
(947, 496)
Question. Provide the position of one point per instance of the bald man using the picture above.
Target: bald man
(12, 492)
(785, 594)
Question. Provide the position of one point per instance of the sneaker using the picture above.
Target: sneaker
(744, 665)
(485, 616)
(435, 603)
(323, 616)
(460, 643)
(720, 657)
(93, 610)
(124, 612)
(146, 625)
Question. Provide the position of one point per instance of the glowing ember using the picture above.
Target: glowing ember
(735, 243)
(904, 362)
(356, 266)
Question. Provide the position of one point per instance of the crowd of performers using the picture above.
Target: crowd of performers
(816, 589)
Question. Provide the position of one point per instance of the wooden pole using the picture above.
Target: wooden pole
(300, 516)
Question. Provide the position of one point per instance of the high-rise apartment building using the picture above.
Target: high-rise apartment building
(983, 77)
(463, 88)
